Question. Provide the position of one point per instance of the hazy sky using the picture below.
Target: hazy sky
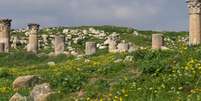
(141, 14)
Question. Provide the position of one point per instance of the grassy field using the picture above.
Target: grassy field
(168, 75)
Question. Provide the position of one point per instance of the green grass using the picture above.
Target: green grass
(141, 79)
(152, 75)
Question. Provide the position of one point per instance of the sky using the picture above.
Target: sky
(166, 15)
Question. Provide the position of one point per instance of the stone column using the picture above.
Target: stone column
(5, 25)
(112, 46)
(59, 45)
(33, 38)
(123, 47)
(2, 46)
(157, 41)
(194, 21)
(90, 48)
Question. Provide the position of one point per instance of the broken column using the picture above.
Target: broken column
(123, 47)
(33, 39)
(90, 48)
(5, 25)
(112, 46)
(157, 41)
(194, 21)
(59, 44)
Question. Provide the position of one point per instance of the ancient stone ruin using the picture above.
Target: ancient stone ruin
(112, 46)
(33, 38)
(59, 44)
(123, 46)
(194, 21)
(5, 25)
(41, 91)
(157, 41)
(90, 48)
(63, 44)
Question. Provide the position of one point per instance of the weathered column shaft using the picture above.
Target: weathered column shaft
(59, 45)
(194, 22)
(123, 47)
(112, 46)
(33, 38)
(195, 29)
(157, 41)
(90, 48)
(33, 44)
(2, 46)
(5, 25)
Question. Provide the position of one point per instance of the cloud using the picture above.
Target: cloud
(144, 14)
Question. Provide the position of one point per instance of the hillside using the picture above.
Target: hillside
(140, 75)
